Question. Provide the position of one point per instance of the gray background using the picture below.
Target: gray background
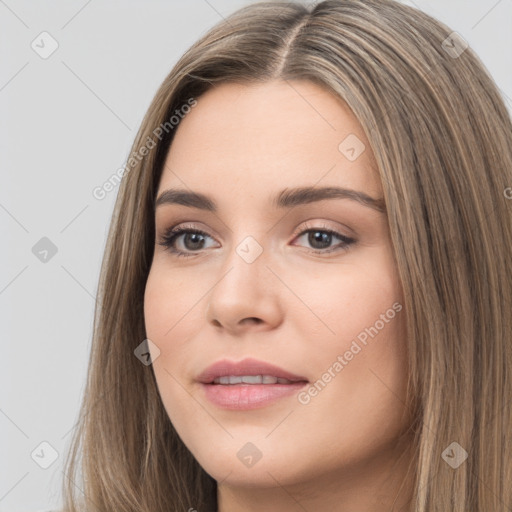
(68, 122)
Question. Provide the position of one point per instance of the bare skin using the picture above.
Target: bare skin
(300, 304)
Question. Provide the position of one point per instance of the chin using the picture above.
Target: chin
(259, 463)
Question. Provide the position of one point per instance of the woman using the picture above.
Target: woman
(306, 291)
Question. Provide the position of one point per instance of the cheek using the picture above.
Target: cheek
(171, 305)
(347, 300)
(171, 315)
(360, 356)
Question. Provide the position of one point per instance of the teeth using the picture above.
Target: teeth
(250, 379)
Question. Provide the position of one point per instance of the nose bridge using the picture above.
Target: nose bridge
(245, 263)
(243, 289)
(249, 243)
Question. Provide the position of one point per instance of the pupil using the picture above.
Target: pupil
(196, 239)
(319, 236)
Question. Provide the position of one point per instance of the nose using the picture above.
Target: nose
(246, 296)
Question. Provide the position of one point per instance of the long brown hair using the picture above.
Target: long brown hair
(442, 139)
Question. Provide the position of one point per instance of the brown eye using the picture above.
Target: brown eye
(320, 239)
(193, 240)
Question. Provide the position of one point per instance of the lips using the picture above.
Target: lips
(247, 368)
(248, 384)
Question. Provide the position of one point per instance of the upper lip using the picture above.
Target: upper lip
(247, 366)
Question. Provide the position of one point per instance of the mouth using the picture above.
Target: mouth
(250, 380)
(248, 384)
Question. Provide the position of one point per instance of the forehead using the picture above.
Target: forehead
(249, 139)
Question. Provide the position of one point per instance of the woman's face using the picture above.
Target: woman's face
(305, 281)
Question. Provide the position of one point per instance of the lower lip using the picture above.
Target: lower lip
(242, 397)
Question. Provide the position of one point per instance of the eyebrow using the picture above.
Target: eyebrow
(287, 198)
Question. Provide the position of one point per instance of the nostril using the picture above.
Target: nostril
(252, 320)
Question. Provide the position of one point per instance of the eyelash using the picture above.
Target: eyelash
(172, 234)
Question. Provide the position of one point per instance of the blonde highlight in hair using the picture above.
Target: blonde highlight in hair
(442, 140)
